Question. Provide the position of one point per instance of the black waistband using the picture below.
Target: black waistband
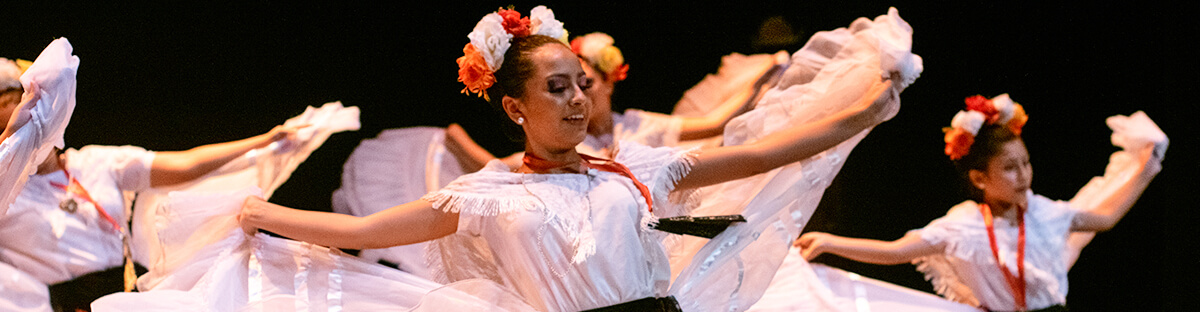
(665, 304)
(1053, 308)
(78, 293)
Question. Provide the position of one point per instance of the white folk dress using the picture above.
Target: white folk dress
(55, 245)
(54, 73)
(563, 242)
(966, 271)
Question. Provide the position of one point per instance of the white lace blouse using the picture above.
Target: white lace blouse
(56, 245)
(563, 242)
(966, 272)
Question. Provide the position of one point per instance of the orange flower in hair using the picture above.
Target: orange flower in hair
(958, 142)
(473, 71)
(620, 73)
(1000, 110)
(1018, 120)
(491, 38)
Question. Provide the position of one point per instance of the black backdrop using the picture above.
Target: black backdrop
(169, 77)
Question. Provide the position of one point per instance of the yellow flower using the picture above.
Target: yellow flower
(564, 37)
(610, 59)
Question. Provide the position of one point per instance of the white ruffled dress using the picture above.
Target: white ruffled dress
(580, 241)
(54, 73)
(563, 242)
(966, 271)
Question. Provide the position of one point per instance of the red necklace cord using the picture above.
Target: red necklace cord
(1015, 283)
(74, 188)
(538, 164)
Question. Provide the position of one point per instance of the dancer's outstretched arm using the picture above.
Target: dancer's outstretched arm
(1110, 210)
(182, 166)
(786, 146)
(470, 155)
(899, 251)
(405, 224)
(713, 124)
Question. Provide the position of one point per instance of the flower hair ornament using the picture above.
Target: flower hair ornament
(598, 51)
(1000, 110)
(10, 72)
(492, 37)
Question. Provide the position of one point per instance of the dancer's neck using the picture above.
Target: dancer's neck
(551, 161)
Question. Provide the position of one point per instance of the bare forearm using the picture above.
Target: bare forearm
(792, 144)
(868, 250)
(714, 123)
(787, 146)
(401, 225)
(182, 166)
(470, 155)
(1105, 215)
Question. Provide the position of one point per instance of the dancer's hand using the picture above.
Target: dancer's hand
(21, 114)
(1151, 161)
(880, 102)
(285, 132)
(813, 244)
(253, 208)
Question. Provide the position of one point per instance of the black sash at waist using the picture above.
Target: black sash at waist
(651, 304)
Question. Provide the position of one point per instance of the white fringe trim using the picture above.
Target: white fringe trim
(937, 271)
(477, 204)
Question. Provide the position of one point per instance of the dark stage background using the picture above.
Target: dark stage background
(173, 77)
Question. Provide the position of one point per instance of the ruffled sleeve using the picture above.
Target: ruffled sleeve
(486, 193)
(659, 168)
(953, 232)
(130, 164)
(961, 222)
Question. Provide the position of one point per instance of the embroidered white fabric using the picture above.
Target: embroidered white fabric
(566, 242)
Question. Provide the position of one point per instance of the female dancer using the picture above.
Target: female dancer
(401, 165)
(605, 66)
(1008, 250)
(64, 226)
(566, 231)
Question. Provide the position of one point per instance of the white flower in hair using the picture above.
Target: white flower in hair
(1003, 105)
(10, 74)
(969, 121)
(490, 38)
(543, 23)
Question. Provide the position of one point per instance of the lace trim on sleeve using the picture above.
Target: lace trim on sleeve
(945, 280)
(481, 194)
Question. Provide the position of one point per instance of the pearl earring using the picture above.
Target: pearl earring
(520, 120)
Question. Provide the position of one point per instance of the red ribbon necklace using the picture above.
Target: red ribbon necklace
(538, 164)
(1015, 283)
(75, 189)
